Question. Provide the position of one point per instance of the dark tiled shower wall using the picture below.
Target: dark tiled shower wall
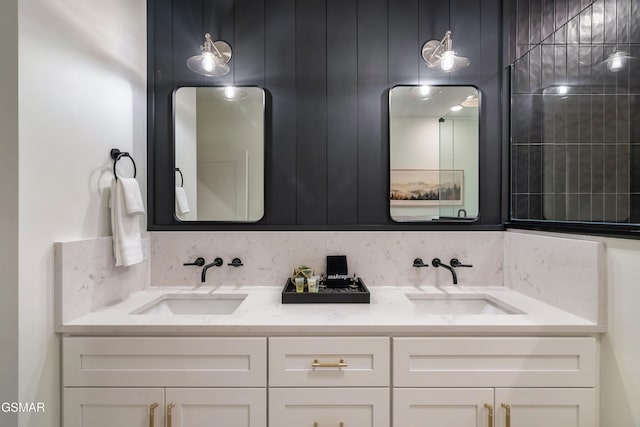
(575, 155)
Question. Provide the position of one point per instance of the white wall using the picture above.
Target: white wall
(82, 87)
(620, 349)
(9, 210)
(186, 147)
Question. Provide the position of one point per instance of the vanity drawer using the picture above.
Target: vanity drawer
(329, 407)
(164, 362)
(494, 362)
(329, 362)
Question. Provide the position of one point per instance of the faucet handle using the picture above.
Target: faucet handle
(419, 263)
(455, 262)
(236, 262)
(199, 262)
(218, 262)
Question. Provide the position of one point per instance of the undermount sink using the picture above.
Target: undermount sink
(462, 304)
(192, 304)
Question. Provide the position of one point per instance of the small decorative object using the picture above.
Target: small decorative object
(299, 284)
(312, 283)
(302, 271)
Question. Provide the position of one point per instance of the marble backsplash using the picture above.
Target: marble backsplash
(380, 258)
(86, 277)
(565, 272)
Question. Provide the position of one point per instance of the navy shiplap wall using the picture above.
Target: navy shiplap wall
(327, 66)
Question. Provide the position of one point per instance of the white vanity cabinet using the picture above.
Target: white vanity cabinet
(329, 381)
(158, 381)
(495, 382)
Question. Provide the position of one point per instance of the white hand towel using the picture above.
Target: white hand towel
(127, 243)
(181, 201)
(132, 197)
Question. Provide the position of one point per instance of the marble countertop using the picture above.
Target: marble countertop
(389, 313)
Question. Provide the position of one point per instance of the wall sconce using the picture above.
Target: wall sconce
(440, 56)
(213, 59)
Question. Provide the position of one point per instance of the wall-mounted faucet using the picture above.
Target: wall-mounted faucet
(455, 262)
(419, 263)
(216, 263)
(437, 263)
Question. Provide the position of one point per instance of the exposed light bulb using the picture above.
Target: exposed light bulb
(208, 62)
(447, 61)
(424, 90)
(456, 108)
(230, 92)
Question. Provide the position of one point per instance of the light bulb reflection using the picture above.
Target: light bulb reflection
(562, 90)
(230, 92)
(424, 90)
(456, 108)
(616, 61)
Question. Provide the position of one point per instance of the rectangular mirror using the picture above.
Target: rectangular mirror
(219, 153)
(434, 161)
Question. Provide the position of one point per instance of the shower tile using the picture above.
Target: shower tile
(584, 127)
(611, 208)
(623, 12)
(548, 18)
(622, 119)
(548, 154)
(585, 207)
(634, 25)
(535, 22)
(561, 13)
(634, 168)
(585, 26)
(597, 22)
(560, 207)
(535, 69)
(622, 168)
(535, 206)
(535, 169)
(610, 166)
(597, 118)
(597, 170)
(573, 118)
(610, 119)
(610, 22)
(585, 176)
(573, 31)
(573, 207)
(597, 207)
(635, 208)
(560, 169)
(573, 168)
(623, 207)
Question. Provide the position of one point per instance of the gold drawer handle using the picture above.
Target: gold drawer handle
(490, 416)
(170, 406)
(152, 414)
(507, 409)
(316, 424)
(340, 364)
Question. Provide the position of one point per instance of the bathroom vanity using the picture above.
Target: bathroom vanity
(522, 353)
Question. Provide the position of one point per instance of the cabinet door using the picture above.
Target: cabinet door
(108, 407)
(198, 407)
(329, 407)
(441, 407)
(551, 407)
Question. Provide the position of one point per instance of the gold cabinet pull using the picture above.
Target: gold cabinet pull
(170, 406)
(152, 414)
(507, 410)
(490, 414)
(317, 364)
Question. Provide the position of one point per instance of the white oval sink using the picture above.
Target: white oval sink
(192, 304)
(469, 304)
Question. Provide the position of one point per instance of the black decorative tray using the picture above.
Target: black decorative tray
(356, 293)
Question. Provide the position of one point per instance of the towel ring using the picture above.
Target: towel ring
(117, 155)
(181, 177)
